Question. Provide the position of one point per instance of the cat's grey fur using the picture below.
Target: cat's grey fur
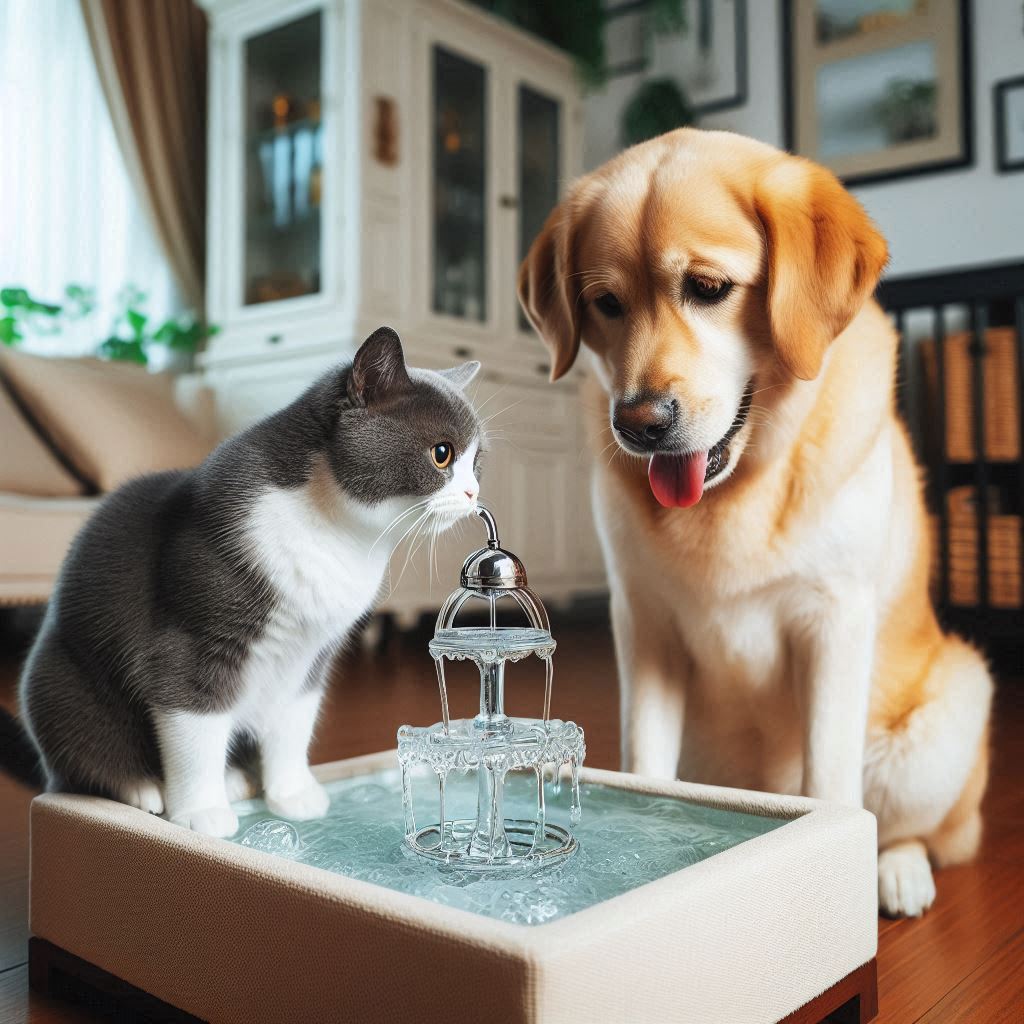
(161, 598)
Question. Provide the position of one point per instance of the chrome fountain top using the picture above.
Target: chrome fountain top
(492, 567)
(492, 744)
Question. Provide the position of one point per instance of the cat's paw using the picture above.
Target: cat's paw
(146, 794)
(311, 801)
(240, 785)
(211, 821)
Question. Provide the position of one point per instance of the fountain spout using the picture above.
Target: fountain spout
(492, 526)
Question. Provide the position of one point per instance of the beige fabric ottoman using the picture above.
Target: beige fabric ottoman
(145, 912)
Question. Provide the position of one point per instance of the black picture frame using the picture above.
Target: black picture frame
(638, 64)
(741, 95)
(965, 158)
(1004, 164)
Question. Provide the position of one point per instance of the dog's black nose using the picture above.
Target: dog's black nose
(643, 422)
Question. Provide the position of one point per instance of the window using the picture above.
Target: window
(68, 211)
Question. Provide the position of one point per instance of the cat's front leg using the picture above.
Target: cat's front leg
(289, 787)
(193, 752)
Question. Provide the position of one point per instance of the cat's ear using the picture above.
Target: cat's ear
(378, 370)
(460, 376)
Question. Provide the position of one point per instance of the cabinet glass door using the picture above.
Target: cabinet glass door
(460, 186)
(539, 143)
(283, 161)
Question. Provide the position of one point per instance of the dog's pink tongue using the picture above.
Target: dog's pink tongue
(678, 480)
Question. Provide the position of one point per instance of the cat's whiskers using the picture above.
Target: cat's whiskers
(490, 398)
(432, 569)
(394, 522)
(414, 543)
(401, 540)
(494, 415)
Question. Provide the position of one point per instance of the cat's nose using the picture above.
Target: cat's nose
(471, 495)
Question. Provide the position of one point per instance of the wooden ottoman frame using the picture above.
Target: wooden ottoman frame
(59, 974)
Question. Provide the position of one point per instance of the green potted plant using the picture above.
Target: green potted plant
(132, 336)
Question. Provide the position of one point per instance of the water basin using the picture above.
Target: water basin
(626, 840)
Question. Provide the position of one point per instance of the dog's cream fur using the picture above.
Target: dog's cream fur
(779, 634)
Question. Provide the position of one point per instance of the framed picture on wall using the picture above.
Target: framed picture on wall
(712, 55)
(878, 89)
(626, 38)
(1009, 111)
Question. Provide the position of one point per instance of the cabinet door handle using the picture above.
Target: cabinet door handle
(275, 339)
(508, 202)
(544, 369)
(462, 352)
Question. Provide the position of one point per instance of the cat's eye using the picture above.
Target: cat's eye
(707, 290)
(441, 455)
(609, 306)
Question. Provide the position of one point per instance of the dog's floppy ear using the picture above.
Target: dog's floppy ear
(824, 260)
(546, 293)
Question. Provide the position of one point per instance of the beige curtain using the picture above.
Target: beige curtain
(151, 57)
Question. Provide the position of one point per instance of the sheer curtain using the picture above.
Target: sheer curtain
(68, 213)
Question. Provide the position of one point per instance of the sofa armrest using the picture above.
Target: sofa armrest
(35, 534)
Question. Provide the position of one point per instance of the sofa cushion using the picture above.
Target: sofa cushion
(28, 466)
(112, 421)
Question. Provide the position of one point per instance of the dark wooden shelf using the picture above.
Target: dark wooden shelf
(993, 295)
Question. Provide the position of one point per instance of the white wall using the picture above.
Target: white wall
(934, 221)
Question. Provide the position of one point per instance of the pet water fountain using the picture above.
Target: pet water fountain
(465, 868)
(492, 744)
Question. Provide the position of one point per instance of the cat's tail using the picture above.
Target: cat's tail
(18, 754)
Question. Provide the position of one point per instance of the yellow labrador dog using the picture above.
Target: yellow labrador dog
(762, 522)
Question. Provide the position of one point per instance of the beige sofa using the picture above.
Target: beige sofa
(72, 430)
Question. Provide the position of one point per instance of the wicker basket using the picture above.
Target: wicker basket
(1004, 553)
(1002, 391)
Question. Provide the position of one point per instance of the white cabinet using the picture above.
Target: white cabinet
(389, 161)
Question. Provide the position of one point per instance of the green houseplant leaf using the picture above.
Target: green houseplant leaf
(130, 336)
(13, 297)
(137, 323)
(129, 350)
(9, 333)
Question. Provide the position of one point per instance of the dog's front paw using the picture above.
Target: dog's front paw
(211, 821)
(905, 884)
(311, 801)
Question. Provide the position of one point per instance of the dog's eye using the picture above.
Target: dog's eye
(706, 289)
(441, 455)
(609, 305)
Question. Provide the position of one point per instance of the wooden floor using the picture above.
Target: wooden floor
(964, 961)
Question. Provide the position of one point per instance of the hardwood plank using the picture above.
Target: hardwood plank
(14, 804)
(979, 908)
(55, 972)
(886, 924)
(20, 1006)
(993, 994)
(13, 922)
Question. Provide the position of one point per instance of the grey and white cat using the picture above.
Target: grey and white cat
(198, 611)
